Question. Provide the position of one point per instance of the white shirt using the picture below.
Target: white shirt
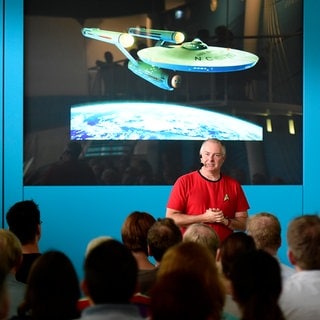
(300, 298)
(286, 271)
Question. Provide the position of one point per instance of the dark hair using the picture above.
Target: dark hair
(257, 285)
(110, 273)
(23, 219)
(135, 229)
(53, 288)
(163, 234)
(235, 245)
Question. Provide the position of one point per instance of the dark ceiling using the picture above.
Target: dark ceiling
(84, 9)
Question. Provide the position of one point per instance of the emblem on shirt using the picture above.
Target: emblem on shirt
(226, 197)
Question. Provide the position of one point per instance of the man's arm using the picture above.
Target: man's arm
(239, 222)
(184, 220)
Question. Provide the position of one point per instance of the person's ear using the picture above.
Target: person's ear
(291, 258)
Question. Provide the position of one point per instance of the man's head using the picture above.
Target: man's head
(110, 273)
(203, 234)
(303, 237)
(265, 229)
(10, 249)
(255, 276)
(23, 219)
(235, 245)
(163, 234)
(135, 229)
(212, 154)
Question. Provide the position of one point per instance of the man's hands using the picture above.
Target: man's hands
(214, 215)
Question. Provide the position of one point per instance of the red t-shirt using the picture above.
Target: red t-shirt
(193, 194)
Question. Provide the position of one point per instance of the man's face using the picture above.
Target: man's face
(213, 155)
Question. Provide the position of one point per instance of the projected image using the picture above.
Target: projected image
(129, 90)
(192, 56)
(156, 121)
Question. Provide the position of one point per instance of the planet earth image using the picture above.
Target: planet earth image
(156, 121)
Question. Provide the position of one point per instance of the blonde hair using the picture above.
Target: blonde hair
(303, 236)
(10, 248)
(95, 242)
(265, 229)
(203, 234)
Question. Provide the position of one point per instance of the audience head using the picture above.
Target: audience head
(135, 229)
(10, 249)
(163, 234)
(203, 234)
(265, 229)
(110, 273)
(95, 242)
(235, 245)
(53, 288)
(256, 282)
(23, 219)
(195, 262)
(180, 295)
(303, 237)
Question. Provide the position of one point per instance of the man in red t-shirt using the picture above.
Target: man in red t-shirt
(207, 196)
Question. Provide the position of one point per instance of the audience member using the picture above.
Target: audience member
(4, 299)
(134, 234)
(70, 169)
(208, 196)
(187, 285)
(265, 229)
(162, 235)
(23, 219)
(203, 234)
(11, 254)
(180, 295)
(84, 302)
(110, 279)
(53, 289)
(235, 245)
(256, 281)
(300, 295)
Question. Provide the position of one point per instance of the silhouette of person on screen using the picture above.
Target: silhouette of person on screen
(70, 170)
